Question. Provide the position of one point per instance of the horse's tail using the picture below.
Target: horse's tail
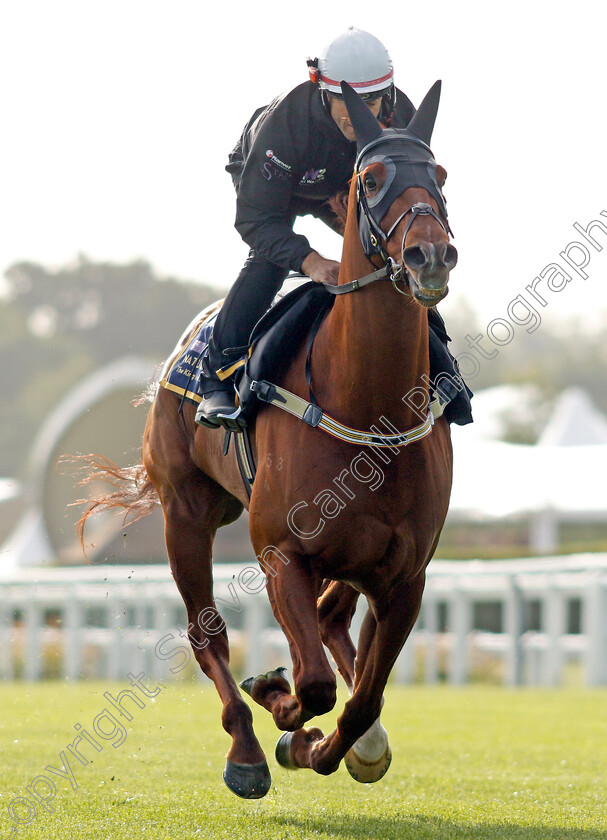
(134, 491)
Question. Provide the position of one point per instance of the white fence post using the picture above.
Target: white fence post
(72, 650)
(254, 629)
(554, 626)
(404, 670)
(6, 641)
(595, 628)
(460, 618)
(430, 608)
(514, 619)
(161, 627)
(33, 648)
(117, 621)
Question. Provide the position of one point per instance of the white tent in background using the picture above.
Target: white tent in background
(563, 476)
(494, 408)
(574, 422)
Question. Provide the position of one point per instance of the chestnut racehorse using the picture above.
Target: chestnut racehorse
(332, 518)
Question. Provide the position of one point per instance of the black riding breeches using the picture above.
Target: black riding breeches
(249, 297)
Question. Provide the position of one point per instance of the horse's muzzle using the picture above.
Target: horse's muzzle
(428, 268)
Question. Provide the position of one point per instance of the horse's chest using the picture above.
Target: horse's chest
(371, 553)
(349, 514)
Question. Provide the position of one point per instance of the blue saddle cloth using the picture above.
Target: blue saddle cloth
(182, 372)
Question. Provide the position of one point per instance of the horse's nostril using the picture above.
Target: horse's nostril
(450, 257)
(447, 255)
(415, 258)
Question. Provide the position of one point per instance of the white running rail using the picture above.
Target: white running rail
(533, 621)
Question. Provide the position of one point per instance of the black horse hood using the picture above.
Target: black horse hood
(405, 152)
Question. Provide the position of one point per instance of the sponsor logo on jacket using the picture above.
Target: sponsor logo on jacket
(311, 176)
(277, 161)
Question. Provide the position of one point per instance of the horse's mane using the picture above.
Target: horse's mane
(339, 205)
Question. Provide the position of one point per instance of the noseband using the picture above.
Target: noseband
(420, 208)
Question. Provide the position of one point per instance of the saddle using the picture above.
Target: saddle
(296, 313)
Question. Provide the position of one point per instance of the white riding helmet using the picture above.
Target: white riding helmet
(360, 59)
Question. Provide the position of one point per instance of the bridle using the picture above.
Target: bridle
(422, 167)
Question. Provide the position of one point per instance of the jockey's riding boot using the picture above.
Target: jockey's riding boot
(218, 405)
(218, 408)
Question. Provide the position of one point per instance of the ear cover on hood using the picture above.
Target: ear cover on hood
(422, 122)
(404, 151)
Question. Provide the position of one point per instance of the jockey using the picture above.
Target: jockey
(293, 155)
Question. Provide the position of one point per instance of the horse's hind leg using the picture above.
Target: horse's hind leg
(194, 507)
(336, 606)
(190, 528)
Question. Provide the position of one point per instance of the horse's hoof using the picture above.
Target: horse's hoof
(283, 751)
(249, 781)
(367, 771)
(280, 672)
(248, 685)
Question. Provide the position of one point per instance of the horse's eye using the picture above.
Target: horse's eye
(370, 184)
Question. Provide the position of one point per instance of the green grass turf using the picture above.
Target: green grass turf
(476, 762)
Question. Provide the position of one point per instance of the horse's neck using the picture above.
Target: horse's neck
(373, 349)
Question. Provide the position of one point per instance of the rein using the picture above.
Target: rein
(391, 271)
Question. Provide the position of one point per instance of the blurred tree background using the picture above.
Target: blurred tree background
(59, 326)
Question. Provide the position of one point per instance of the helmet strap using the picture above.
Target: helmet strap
(324, 98)
(388, 105)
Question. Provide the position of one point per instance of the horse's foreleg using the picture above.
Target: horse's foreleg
(293, 590)
(395, 617)
(189, 530)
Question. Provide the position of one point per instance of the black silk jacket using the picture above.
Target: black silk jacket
(290, 159)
